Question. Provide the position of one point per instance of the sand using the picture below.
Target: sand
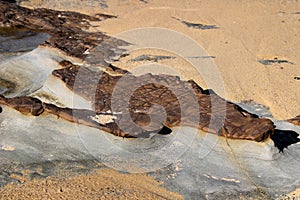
(293, 195)
(102, 184)
(248, 31)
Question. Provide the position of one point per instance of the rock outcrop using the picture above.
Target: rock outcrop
(182, 103)
(154, 101)
(124, 104)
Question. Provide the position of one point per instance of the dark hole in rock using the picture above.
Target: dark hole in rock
(284, 138)
(0, 109)
(208, 91)
(165, 131)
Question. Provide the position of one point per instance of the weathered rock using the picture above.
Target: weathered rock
(26, 105)
(33, 106)
(184, 103)
(238, 123)
(66, 28)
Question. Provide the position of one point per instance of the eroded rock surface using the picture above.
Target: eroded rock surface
(184, 102)
(154, 101)
(68, 29)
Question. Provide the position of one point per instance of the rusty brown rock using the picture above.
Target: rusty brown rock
(33, 106)
(177, 105)
(26, 105)
(68, 29)
(177, 102)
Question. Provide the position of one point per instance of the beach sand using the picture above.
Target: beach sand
(248, 31)
(102, 184)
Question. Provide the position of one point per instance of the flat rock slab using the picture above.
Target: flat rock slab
(168, 100)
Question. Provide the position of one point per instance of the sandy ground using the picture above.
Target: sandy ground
(293, 195)
(102, 184)
(248, 31)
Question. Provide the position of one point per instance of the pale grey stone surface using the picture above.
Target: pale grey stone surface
(195, 165)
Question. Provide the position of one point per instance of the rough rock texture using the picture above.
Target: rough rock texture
(66, 28)
(25, 105)
(182, 103)
(154, 101)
